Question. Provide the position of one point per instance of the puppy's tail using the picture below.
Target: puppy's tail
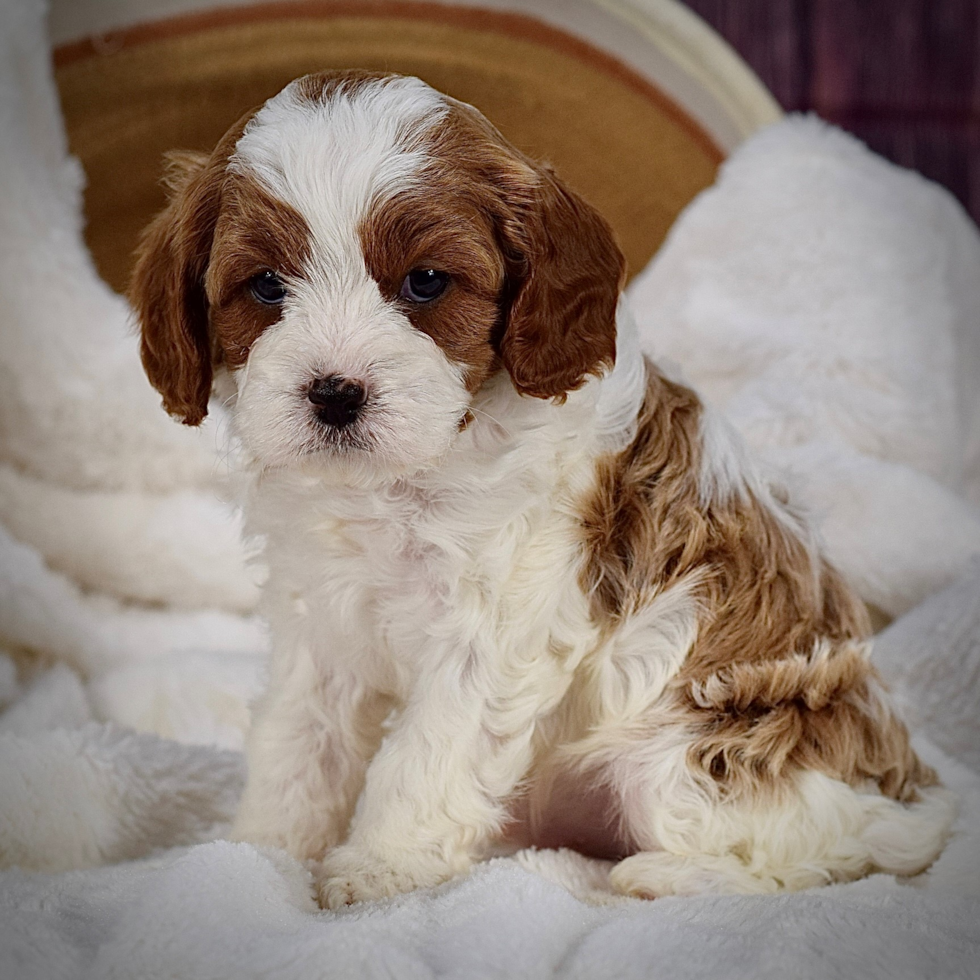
(906, 838)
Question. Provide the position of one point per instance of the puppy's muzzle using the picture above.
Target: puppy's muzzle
(337, 402)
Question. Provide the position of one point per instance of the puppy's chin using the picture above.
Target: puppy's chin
(380, 448)
(414, 401)
(369, 464)
(362, 471)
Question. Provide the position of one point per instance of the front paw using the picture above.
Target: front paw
(351, 874)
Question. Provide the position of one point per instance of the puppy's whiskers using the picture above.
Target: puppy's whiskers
(500, 425)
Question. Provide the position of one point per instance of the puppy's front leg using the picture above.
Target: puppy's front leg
(435, 792)
(312, 735)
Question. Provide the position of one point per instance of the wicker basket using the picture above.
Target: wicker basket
(635, 103)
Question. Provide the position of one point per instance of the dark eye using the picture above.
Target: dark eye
(267, 288)
(423, 285)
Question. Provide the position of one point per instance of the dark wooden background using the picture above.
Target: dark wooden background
(904, 75)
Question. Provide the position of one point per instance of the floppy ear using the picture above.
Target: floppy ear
(167, 287)
(565, 275)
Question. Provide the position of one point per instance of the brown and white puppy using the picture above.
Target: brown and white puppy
(523, 587)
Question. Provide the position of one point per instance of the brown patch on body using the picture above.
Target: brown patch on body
(824, 712)
(778, 678)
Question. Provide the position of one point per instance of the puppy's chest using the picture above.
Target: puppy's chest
(397, 573)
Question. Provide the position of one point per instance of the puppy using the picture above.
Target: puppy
(523, 588)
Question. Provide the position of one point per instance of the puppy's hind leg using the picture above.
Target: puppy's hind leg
(654, 874)
(686, 837)
(811, 830)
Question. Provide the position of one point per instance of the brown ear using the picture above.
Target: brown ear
(167, 286)
(167, 290)
(566, 273)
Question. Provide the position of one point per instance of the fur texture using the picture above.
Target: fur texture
(520, 576)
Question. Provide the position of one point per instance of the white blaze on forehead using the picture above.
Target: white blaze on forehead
(332, 158)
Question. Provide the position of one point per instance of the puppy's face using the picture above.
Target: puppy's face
(362, 255)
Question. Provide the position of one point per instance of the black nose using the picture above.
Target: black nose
(338, 401)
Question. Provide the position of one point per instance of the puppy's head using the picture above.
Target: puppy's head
(362, 254)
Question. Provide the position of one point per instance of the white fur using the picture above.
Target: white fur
(623, 389)
(822, 831)
(726, 470)
(812, 830)
(433, 644)
(455, 594)
(333, 158)
(644, 655)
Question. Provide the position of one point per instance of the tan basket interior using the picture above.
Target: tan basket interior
(131, 96)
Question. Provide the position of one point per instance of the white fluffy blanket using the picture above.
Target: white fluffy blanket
(828, 302)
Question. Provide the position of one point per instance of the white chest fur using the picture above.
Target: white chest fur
(479, 558)
(442, 613)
